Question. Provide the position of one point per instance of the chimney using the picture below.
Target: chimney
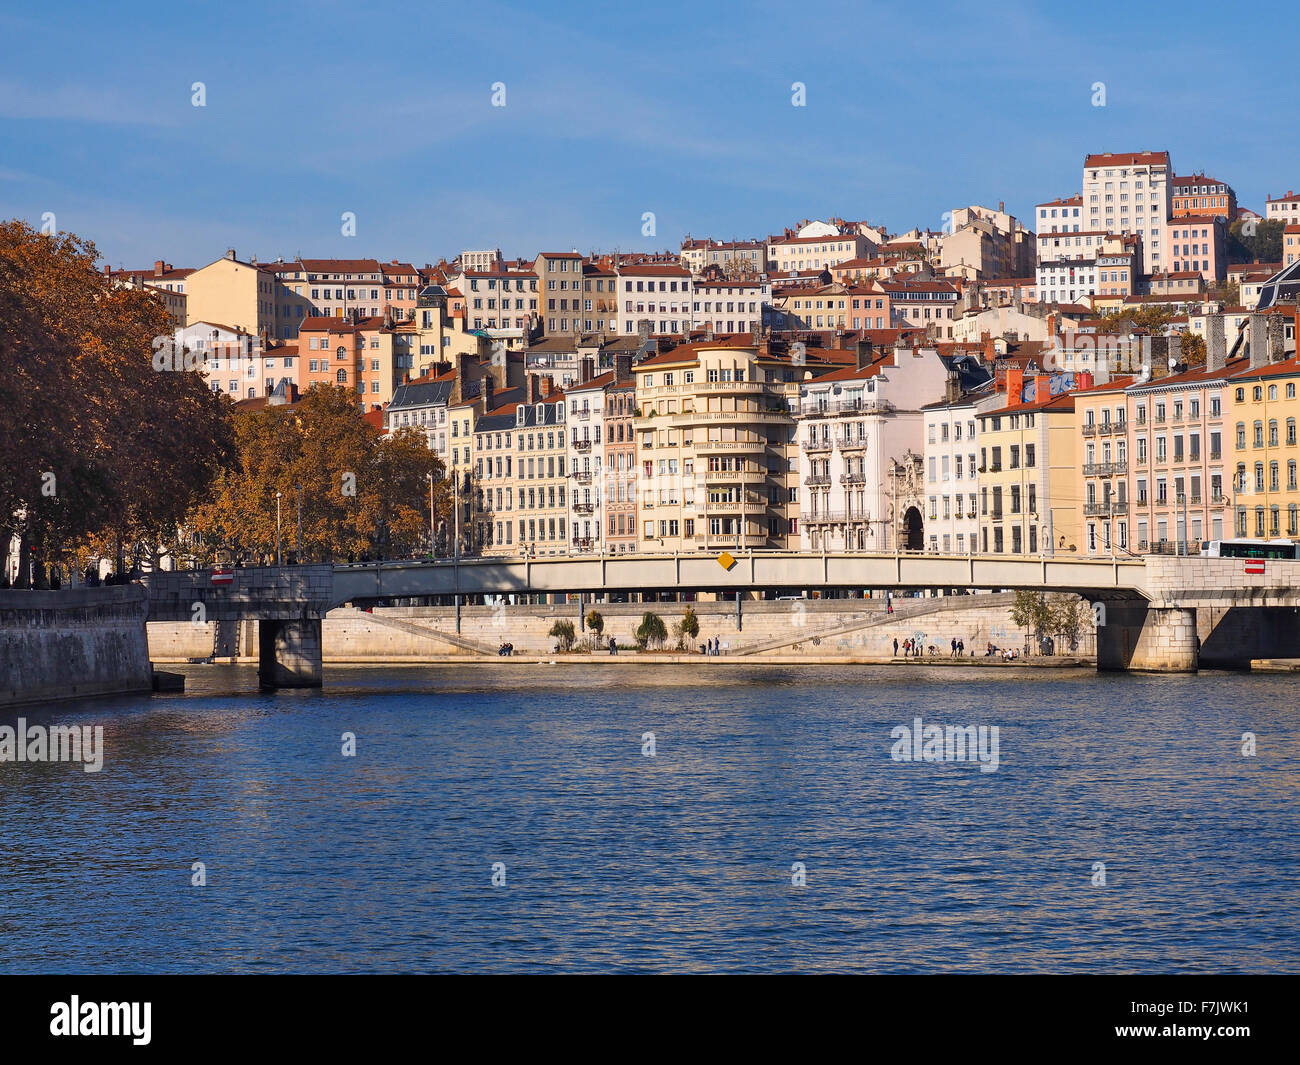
(485, 396)
(866, 352)
(159, 267)
(1276, 338)
(1015, 380)
(544, 387)
(622, 369)
(586, 369)
(952, 387)
(1216, 343)
(1258, 341)
(1083, 380)
(230, 253)
(534, 388)
(899, 349)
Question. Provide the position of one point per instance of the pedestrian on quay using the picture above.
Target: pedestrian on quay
(953, 653)
(895, 646)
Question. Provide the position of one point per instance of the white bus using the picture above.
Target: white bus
(1250, 548)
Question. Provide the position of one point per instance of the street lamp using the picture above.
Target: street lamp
(278, 561)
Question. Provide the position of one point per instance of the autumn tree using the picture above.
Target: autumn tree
(362, 493)
(105, 454)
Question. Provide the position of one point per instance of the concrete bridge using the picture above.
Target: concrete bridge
(1158, 613)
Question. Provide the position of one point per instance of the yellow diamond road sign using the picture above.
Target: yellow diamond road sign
(726, 560)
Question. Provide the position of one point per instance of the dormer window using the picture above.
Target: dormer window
(519, 416)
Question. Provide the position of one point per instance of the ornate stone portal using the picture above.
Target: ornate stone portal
(906, 490)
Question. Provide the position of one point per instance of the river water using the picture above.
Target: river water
(684, 860)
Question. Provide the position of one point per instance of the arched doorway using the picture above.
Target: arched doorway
(913, 532)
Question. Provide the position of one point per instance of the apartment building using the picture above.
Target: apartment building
(952, 478)
(1291, 244)
(246, 296)
(502, 303)
(1202, 195)
(1101, 414)
(1028, 471)
(1060, 216)
(854, 425)
(599, 300)
(716, 446)
(1068, 268)
(164, 281)
(990, 242)
(660, 294)
(560, 281)
(922, 303)
(586, 461)
(1284, 209)
(1263, 411)
(730, 306)
(621, 469)
(368, 356)
(235, 362)
(819, 252)
(1179, 468)
(1117, 266)
(1130, 193)
(1199, 242)
(543, 478)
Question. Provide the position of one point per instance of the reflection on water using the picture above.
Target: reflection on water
(617, 861)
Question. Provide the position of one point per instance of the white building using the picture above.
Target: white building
(233, 360)
(659, 293)
(952, 473)
(586, 448)
(1067, 265)
(731, 306)
(1130, 193)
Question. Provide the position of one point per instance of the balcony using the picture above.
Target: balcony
(729, 417)
(706, 447)
(816, 445)
(583, 508)
(584, 543)
(853, 478)
(582, 476)
(817, 478)
(1090, 429)
(1096, 510)
(1215, 454)
(582, 446)
(826, 517)
(846, 444)
(841, 406)
(1218, 498)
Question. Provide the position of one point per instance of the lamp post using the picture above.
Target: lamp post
(297, 542)
(278, 558)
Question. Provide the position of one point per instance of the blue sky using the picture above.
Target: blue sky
(612, 110)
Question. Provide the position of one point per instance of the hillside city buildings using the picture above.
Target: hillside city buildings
(1110, 382)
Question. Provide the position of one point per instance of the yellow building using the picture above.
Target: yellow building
(1029, 472)
(248, 296)
(1263, 411)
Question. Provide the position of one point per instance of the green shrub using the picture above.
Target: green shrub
(651, 632)
(563, 631)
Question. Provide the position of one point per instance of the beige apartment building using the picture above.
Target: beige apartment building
(246, 296)
(715, 434)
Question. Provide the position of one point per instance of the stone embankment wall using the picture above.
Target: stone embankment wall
(72, 643)
(859, 627)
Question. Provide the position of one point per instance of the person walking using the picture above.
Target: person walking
(895, 646)
(953, 653)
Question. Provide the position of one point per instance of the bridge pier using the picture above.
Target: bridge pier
(1147, 639)
(289, 654)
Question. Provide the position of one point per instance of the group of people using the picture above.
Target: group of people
(1009, 654)
(506, 650)
(913, 648)
(712, 646)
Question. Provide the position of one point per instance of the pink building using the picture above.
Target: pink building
(1200, 243)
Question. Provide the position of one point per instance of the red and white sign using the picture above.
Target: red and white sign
(1255, 566)
(226, 576)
